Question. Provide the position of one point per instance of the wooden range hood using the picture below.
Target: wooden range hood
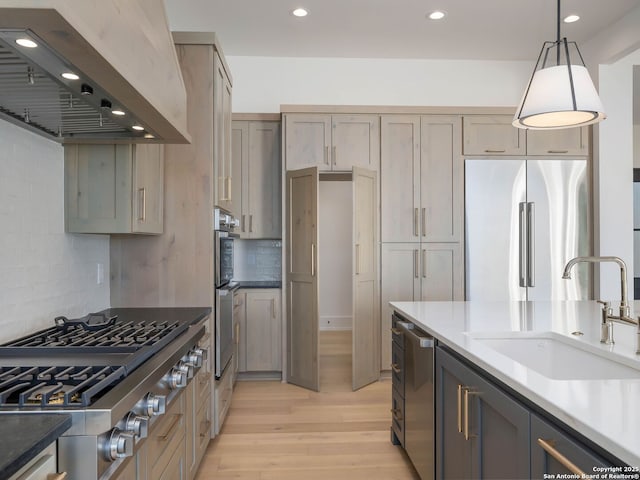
(122, 49)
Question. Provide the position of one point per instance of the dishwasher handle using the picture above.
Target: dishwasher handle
(422, 342)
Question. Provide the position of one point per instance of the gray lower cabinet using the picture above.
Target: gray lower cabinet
(484, 432)
(549, 446)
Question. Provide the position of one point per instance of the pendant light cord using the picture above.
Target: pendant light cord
(558, 37)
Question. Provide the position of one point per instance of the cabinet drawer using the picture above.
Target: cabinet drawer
(224, 389)
(202, 386)
(202, 431)
(396, 333)
(397, 367)
(166, 437)
(43, 466)
(174, 468)
(397, 415)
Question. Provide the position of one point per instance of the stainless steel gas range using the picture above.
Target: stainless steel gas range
(115, 373)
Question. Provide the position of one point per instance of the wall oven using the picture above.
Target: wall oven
(223, 224)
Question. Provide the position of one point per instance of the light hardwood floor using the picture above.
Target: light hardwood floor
(276, 431)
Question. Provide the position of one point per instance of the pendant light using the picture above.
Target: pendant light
(560, 93)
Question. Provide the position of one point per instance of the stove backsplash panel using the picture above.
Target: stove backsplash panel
(44, 272)
(257, 260)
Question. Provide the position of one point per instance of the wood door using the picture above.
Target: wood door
(239, 165)
(441, 272)
(400, 281)
(441, 179)
(263, 181)
(366, 320)
(263, 333)
(400, 178)
(302, 278)
(307, 141)
(492, 135)
(148, 188)
(355, 142)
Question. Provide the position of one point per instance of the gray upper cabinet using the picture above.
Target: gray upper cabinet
(332, 142)
(256, 192)
(492, 135)
(114, 188)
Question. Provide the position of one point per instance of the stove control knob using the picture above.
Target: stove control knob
(137, 424)
(177, 378)
(195, 357)
(186, 367)
(153, 404)
(119, 445)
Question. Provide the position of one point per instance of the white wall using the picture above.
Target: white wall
(615, 170)
(262, 84)
(335, 228)
(43, 271)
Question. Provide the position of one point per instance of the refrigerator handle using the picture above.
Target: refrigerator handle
(531, 244)
(522, 257)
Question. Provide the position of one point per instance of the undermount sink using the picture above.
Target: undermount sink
(557, 357)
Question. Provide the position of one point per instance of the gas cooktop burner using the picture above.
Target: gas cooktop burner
(55, 386)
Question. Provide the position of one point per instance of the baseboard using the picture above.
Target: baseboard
(336, 322)
(253, 376)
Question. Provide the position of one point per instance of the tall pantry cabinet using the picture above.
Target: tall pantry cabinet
(422, 213)
(175, 269)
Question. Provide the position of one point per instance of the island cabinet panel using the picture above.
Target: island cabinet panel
(547, 461)
(482, 431)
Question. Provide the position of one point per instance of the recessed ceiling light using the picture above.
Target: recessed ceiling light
(437, 15)
(26, 42)
(70, 76)
(300, 12)
(571, 18)
(138, 127)
(117, 112)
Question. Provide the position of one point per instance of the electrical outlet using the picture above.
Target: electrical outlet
(100, 274)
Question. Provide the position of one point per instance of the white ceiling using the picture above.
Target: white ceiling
(473, 29)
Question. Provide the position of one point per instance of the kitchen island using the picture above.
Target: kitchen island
(599, 403)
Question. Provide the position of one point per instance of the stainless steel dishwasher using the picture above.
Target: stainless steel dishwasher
(419, 371)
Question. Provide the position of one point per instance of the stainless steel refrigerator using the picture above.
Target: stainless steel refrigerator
(524, 219)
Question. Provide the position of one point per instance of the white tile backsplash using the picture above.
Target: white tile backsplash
(257, 260)
(44, 272)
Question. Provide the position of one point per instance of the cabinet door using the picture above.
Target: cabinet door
(148, 188)
(222, 135)
(240, 318)
(355, 142)
(98, 188)
(263, 331)
(492, 135)
(564, 141)
(545, 461)
(493, 426)
(307, 141)
(400, 178)
(441, 272)
(240, 162)
(263, 185)
(400, 281)
(441, 179)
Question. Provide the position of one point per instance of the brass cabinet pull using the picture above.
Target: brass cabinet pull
(326, 154)
(333, 155)
(424, 222)
(547, 446)
(396, 368)
(396, 331)
(494, 151)
(395, 412)
(273, 308)
(557, 151)
(424, 263)
(313, 260)
(357, 259)
(467, 393)
(460, 389)
(228, 189)
(251, 223)
(57, 476)
(174, 425)
(415, 222)
(243, 222)
(416, 267)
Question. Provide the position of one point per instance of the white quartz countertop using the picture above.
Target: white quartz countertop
(607, 411)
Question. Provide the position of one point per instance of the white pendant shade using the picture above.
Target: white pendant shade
(548, 103)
